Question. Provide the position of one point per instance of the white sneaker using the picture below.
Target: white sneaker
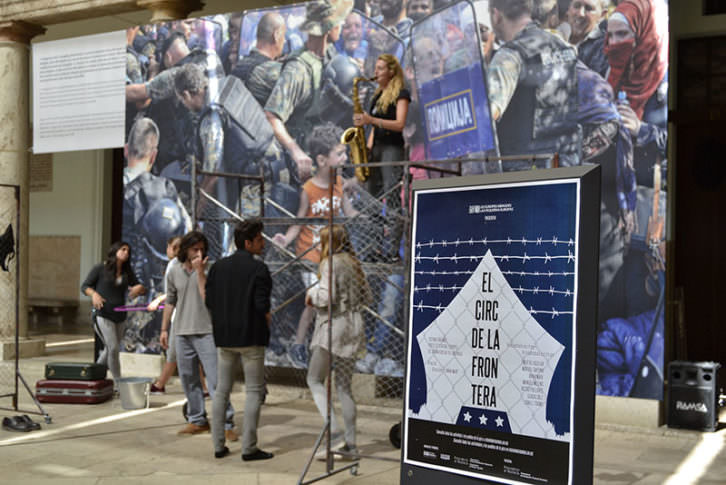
(347, 453)
(337, 442)
(367, 363)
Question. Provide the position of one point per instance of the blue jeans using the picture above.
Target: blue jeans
(190, 350)
(389, 308)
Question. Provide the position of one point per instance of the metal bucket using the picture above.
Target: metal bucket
(134, 392)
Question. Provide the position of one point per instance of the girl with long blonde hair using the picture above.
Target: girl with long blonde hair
(388, 112)
(347, 295)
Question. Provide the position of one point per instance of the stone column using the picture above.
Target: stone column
(165, 10)
(14, 130)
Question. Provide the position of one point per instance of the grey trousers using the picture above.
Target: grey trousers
(317, 373)
(253, 364)
(190, 351)
(112, 333)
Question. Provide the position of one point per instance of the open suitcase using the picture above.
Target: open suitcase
(64, 391)
(84, 371)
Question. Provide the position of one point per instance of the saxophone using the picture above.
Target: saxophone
(355, 136)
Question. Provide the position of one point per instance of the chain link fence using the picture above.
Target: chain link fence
(9, 283)
(374, 227)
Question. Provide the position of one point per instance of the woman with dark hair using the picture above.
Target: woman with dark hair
(106, 284)
(389, 108)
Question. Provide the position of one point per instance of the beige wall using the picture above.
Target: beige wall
(79, 205)
(686, 19)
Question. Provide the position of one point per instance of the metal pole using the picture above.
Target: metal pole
(17, 295)
(329, 388)
(194, 193)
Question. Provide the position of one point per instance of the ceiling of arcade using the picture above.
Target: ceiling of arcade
(51, 12)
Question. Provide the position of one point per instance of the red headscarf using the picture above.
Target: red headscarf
(638, 67)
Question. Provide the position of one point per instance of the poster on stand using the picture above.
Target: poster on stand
(495, 326)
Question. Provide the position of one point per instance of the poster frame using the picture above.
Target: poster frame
(583, 354)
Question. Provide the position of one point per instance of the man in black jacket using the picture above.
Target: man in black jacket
(237, 294)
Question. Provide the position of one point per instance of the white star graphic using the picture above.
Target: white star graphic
(500, 421)
(482, 419)
(467, 417)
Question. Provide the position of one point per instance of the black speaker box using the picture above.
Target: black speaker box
(692, 395)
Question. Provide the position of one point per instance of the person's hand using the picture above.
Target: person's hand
(199, 264)
(304, 164)
(97, 301)
(308, 300)
(350, 184)
(630, 119)
(153, 306)
(362, 119)
(164, 339)
(279, 238)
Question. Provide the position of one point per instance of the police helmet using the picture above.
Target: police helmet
(341, 70)
(162, 220)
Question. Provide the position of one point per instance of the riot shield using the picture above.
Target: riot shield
(449, 79)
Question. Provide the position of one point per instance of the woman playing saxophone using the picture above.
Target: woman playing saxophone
(388, 111)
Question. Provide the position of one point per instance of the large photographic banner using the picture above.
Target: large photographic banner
(493, 329)
(588, 84)
(249, 65)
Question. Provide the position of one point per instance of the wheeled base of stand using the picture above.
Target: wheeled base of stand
(329, 462)
(41, 411)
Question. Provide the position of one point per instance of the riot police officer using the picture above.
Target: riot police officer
(152, 210)
(293, 108)
(233, 136)
(532, 86)
(260, 69)
(164, 109)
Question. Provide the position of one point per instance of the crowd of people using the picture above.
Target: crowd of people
(221, 318)
(266, 93)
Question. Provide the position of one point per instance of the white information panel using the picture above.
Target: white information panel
(78, 93)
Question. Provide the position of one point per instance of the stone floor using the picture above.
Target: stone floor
(105, 444)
